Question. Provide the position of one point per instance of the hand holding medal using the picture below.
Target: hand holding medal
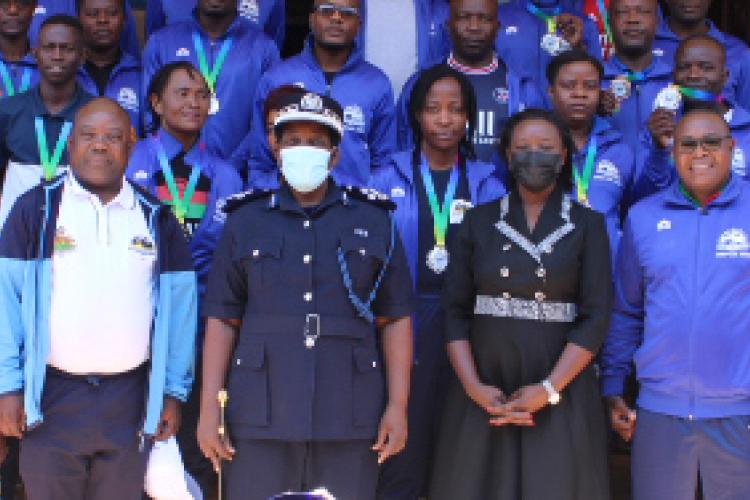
(551, 42)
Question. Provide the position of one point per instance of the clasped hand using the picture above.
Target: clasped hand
(518, 409)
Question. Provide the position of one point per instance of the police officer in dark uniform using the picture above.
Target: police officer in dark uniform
(308, 308)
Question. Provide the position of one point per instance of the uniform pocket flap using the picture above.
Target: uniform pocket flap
(259, 247)
(365, 359)
(251, 354)
(374, 247)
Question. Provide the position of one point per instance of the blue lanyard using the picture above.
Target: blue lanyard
(10, 89)
(440, 215)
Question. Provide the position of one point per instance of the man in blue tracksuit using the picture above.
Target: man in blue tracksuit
(525, 25)
(97, 321)
(234, 56)
(501, 89)
(20, 71)
(681, 315)
(267, 15)
(47, 8)
(332, 64)
(634, 75)
(701, 71)
(688, 19)
(108, 71)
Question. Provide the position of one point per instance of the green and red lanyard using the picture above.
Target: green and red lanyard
(695, 200)
(549, 19)
(604, 15)
(211, 74)
(440, 215)
(181, 205)
(10, 88)
(583, 179)
(50, 163)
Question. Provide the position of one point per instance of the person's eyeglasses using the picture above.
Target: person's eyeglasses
(709, 143)
(328, 10)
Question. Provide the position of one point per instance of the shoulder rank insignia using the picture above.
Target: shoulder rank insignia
(232, 203)
(371, 196)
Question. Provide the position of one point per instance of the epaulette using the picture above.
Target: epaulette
(232, 203)
(370, 195)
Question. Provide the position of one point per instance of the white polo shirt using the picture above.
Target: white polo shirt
(103, 275)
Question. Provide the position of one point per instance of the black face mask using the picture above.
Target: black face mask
(535, 170)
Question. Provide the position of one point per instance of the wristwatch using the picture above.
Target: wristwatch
(553, 395)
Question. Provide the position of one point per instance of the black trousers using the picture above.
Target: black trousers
(263, 468)
(88, 445)
(405, 476)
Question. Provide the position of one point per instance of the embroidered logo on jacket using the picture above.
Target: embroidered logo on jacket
(733, 243)
(607, 171)
(63, 242)
(249, 9)
(128, 99)
(354, 119)
(182, 52)
(739, 166)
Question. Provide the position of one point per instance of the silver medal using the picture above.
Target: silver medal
(214, 106)
(437, 259)
(668, 98)
(552, 43)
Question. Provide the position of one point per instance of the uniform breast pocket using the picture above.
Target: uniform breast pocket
(248, 385)
(364, 258)
(261, 258)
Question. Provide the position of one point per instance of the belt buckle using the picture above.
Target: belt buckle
(311, 335)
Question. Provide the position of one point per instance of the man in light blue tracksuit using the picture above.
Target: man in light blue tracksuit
(249, 53)
(695, 22)
(48, 8)
(523, 26)
(701, 71)
(267, 15)
(331, 64)
(97, 320)
(680, 315)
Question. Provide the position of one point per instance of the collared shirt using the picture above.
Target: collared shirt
(103, 266)
(17, 132)
(276, 266)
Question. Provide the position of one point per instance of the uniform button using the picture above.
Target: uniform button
(539, 296)
(362, 252)
(506, 247)
(306, 259)
(506, 295)
(504, 272)
(541, 272)
(308, 296)
(239, 361)
(306, 224)
(374, 364)
(256, 252)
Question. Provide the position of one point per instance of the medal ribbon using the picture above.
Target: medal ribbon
(604, 14)
(180, 205)
(212, 74)
(549, 19)
(10, 89)
(49, 165)
(440, 216)
(700, 95)
(583, 180)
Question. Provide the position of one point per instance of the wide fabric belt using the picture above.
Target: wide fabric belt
(557, 312)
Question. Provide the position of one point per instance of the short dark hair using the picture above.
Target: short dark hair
(701, 38)
(63, 20)
(159, 82)
(80, 2)
(565, 179)
(570, 57)
(705, 108)
(422, 86)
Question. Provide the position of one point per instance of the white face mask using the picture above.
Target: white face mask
(305, 168)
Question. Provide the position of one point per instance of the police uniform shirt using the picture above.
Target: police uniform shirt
(275, 265)
(429, 282)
